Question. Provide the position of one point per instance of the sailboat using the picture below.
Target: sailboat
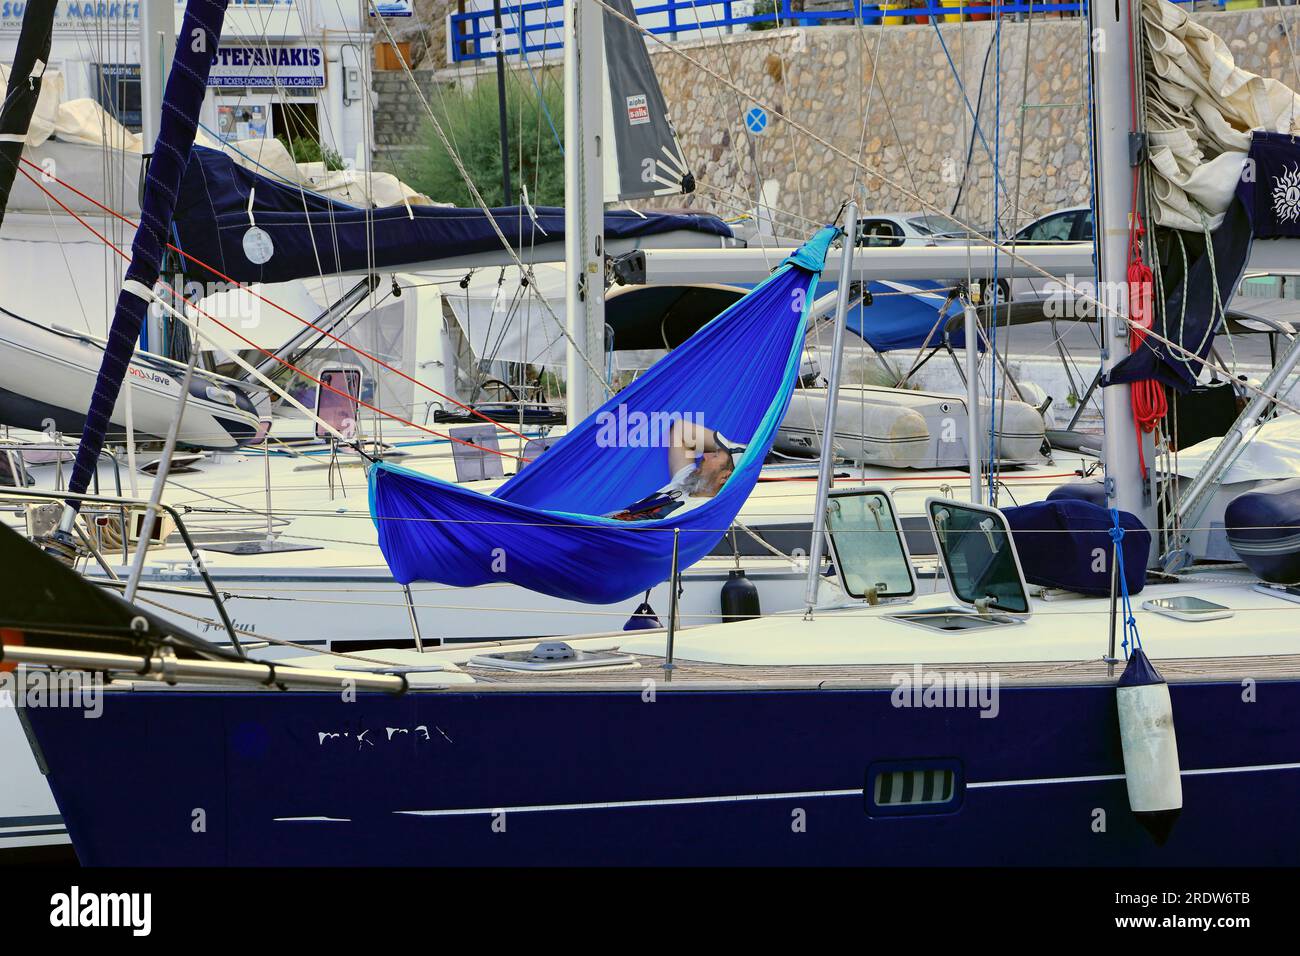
(978, 722)
(49, 370)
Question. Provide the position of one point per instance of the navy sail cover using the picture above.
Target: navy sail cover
(1266, 206)
(545, 529)
(24, 89)
(1270, 192)
(312, 235)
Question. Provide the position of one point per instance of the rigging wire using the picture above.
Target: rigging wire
(248, 288)
(974, 234)
(455, 157)
(271, 354)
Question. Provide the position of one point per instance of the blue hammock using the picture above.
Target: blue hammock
(542, 529)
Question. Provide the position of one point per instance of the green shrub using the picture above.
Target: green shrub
(470, 119)
(304, 150)
(765, 6)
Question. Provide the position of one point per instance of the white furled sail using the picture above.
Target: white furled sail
(1201, 108)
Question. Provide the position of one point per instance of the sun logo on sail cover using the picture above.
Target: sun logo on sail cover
(1286, 194)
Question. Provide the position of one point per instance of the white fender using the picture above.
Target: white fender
(1146, 729)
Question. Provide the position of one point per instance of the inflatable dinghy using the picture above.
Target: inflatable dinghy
(1263, 528)
(901, 428)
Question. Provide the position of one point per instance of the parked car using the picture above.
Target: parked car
(1064, 225)
(878, 230)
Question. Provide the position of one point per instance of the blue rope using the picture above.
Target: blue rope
(997, 235)
(974, 111)
(1130, 622)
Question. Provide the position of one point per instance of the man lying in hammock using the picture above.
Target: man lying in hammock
(700, 460)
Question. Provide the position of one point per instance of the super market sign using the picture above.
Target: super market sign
(262, 66)
(74, 15)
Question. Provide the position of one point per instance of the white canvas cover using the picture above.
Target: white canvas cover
(510, 325)
(73, 121)
(1270, 451)
(270, 157)
(1200, 110)
(83, 122)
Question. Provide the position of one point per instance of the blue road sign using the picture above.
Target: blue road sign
(756, 120)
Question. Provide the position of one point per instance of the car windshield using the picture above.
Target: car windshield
(936, 225)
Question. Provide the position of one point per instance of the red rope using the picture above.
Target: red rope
(217, 272)
(266, 352)
(1147, 397)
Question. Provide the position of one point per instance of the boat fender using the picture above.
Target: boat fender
(739, 598)
(1146, 730)
(643, 618)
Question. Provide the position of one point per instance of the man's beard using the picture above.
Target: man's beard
(697, 485)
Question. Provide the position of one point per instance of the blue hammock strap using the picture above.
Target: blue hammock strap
(1130, 622)
(812, 255)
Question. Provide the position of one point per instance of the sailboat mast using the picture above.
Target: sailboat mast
(826, 464)
(584, 209)
(24, 89)
(1113, 76)
(507, 198)
(157, 46)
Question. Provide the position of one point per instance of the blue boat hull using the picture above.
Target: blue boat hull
(762, 777)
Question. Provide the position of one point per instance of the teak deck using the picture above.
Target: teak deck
(692, 675)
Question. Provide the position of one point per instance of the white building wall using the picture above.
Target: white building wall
(88, 34)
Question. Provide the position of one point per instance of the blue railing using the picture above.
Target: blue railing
(536, 26)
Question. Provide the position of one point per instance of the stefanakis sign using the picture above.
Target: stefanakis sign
(292, 66)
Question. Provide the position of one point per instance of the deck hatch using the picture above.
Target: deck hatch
(979, 556)
(553, 656)
(868, 546)
(951, 619)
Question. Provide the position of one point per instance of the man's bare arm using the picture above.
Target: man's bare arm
(685, 441)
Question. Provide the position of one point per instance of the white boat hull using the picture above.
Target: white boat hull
(29, 817)
(48, 375)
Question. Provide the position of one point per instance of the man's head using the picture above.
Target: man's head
(712, 472)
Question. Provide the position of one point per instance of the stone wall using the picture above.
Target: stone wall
(426, 32)
(400, 113)
(918, 130)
